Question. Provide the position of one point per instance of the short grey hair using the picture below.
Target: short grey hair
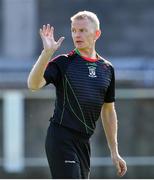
(89, 15)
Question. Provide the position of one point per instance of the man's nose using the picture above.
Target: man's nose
(77, 34)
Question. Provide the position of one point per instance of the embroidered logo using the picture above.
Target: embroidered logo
(68, 161)
(92, 71)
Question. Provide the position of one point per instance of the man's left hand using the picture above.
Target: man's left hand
(120, 165)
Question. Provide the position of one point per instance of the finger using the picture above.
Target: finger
(117, 165)
(122, 173)
(40, 32)
(60, 41)
(123, 168)
(44, 29)
(52, 31)
(48, 29)
(118, 168)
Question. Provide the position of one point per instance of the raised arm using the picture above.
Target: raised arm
(35, 79)
(109, 120)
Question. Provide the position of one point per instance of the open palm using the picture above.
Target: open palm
(47, 36)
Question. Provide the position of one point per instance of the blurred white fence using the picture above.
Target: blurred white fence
(13, 134)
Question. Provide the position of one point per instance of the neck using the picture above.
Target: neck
(90, 53)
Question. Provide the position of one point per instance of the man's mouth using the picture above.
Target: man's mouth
(79, 42)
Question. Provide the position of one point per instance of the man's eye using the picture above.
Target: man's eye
(81, 30)
(73, 30)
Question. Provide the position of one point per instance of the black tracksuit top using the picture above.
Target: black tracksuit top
(82, 86)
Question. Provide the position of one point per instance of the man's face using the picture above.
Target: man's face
(84, 34)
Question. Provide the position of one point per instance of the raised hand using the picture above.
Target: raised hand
(47, 36)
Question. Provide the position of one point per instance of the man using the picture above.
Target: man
(85, 89)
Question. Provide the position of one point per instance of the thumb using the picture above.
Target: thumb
(60, 41)
(118, 167)
(41, 33)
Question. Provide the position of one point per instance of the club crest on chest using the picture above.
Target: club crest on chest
(92, 71)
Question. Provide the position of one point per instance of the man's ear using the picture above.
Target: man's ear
(98, 34)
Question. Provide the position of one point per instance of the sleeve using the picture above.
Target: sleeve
(52, 73)
(110, 94)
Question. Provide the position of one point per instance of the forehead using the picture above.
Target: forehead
(81, 23)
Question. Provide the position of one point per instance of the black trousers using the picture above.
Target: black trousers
(68, 153)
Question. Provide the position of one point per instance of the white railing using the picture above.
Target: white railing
(13, 134)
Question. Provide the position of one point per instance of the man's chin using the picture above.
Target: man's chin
(80, 48)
